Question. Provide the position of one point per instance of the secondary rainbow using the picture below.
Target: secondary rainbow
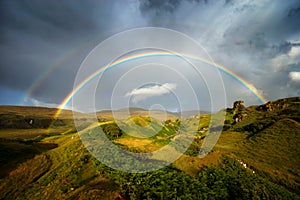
(50, 69)
(121, 60)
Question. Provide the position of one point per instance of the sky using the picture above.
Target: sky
(43, 45)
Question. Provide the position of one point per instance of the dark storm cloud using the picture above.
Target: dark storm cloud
(53, 20)
(252, 38)
(159, 6)
(263, 24)
(39, 34)
(259, 40)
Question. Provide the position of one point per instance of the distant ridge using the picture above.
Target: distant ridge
(190, 113)
(124, 113)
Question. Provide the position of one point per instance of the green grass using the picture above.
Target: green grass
(63, 172)
(274, 151)
(38, 163)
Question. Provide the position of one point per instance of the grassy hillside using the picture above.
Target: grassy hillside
(35, 117)
(256, 156)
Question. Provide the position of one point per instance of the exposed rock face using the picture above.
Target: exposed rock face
(239, 111)
(238, 105)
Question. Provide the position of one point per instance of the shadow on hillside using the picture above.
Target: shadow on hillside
(14, 152)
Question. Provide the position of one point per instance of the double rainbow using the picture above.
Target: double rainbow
(129, 58)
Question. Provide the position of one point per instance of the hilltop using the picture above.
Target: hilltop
(256, 156)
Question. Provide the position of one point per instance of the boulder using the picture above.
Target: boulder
(239, 117)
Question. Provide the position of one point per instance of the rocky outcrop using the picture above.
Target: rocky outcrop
(272, 106)
(238, 105)
(239, 111)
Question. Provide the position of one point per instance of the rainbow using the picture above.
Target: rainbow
(50, 69)
(121, 60)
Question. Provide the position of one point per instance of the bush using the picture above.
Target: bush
(227, 181)
(112, 131)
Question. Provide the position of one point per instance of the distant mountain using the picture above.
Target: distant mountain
(156, 113)
(190, 113)
(125, 113)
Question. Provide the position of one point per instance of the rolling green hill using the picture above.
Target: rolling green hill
(256, 156)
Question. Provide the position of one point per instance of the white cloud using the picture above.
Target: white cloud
(146, 92)
(295, 76)
(282, 62)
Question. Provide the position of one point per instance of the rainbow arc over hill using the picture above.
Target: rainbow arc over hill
(129, 58)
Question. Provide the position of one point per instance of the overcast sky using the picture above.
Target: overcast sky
(43, 43)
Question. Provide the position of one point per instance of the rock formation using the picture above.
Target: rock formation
(239, 111)
(238, 105)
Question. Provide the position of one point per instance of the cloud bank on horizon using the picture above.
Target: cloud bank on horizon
(43, 43)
